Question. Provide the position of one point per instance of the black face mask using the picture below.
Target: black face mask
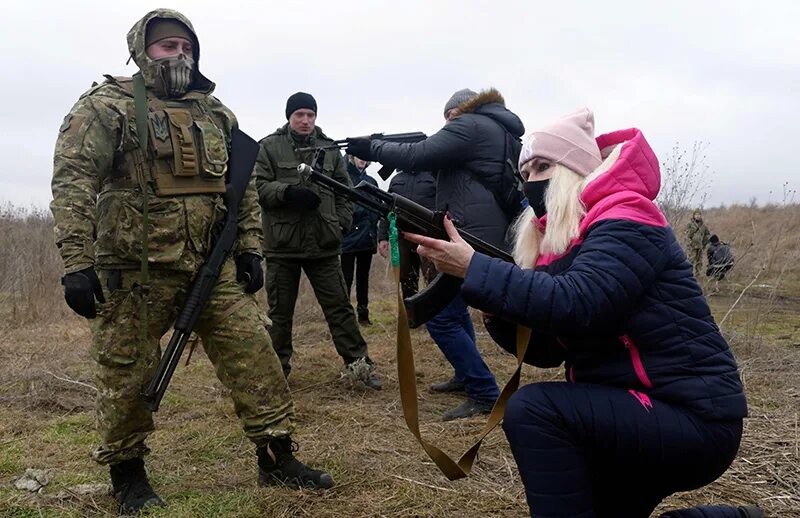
(536, 192)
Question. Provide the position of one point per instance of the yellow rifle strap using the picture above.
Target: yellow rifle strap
(140, 109)
(406, 375)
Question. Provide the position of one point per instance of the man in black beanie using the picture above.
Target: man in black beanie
(303, 226)
(299, 101)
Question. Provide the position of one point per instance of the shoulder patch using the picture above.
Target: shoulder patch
(65, 125)
(72, 123)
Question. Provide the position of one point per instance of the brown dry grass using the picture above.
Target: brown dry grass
(203, 466)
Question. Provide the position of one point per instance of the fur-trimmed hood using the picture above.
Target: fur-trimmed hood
(492, 104)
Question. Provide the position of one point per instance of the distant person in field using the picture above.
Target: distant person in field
(698, 236)
(652, 403)
(720, 258)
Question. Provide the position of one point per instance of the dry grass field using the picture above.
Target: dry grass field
(202, 465)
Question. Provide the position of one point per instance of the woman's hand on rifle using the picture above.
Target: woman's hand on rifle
(450, 257)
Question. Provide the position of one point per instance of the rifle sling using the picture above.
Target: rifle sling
(406, 374)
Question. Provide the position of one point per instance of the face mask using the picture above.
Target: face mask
(175, 74)
(536, 192)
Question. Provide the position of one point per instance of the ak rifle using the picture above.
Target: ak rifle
(411, 217)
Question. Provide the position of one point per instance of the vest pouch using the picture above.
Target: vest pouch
(183, 145)
(176, 168)
(214, 150)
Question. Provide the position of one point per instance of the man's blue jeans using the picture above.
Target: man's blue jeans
(453, 332)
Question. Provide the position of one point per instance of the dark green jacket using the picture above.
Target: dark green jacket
(290, 232)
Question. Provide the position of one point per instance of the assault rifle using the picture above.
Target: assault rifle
(411, 217)
(244, 151)
(386, 170)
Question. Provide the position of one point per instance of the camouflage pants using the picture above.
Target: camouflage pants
(696, 258)
(325, 275)
(234, 338)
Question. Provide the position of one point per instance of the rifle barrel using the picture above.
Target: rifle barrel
(166, 368)
(307, 171)
(335, 145)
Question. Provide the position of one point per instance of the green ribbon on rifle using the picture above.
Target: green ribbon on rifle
(394, 246)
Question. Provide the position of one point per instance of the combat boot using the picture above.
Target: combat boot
(278, 466)
(131, 487)
(362, 370)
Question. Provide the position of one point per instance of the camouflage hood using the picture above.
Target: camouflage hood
(136, 48)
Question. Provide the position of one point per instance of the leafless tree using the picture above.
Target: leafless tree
(685, 181)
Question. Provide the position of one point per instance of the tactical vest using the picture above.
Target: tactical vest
(187, 150)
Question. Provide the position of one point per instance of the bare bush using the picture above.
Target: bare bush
(30, 267)
(685, 181)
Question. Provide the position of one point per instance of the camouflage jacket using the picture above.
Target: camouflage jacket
(97, 200)
(698, 234)
(291, 232)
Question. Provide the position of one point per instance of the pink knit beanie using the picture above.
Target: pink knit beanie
(569, 141)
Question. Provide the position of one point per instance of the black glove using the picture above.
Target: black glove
(80, 290)
(360, 147)
(300, 198)
(249, 272)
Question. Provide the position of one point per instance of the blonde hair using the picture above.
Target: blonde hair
(564, 213)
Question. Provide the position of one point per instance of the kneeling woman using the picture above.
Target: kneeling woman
(653, 403)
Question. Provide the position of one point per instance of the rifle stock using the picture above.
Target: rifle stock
(411, 217)
(244, 151)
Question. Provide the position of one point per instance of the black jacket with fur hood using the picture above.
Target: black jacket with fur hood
(469, 146)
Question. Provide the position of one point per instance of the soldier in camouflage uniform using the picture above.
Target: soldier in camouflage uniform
(698, 236)
(303, 226)
(101, 174)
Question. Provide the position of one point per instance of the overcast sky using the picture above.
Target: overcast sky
(723, 72)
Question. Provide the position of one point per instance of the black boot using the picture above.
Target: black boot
(131, 487)
(277, 465)
(468, 408)
(450, 385)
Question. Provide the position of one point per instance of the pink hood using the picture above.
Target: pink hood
(625, 190)
(629, 186)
